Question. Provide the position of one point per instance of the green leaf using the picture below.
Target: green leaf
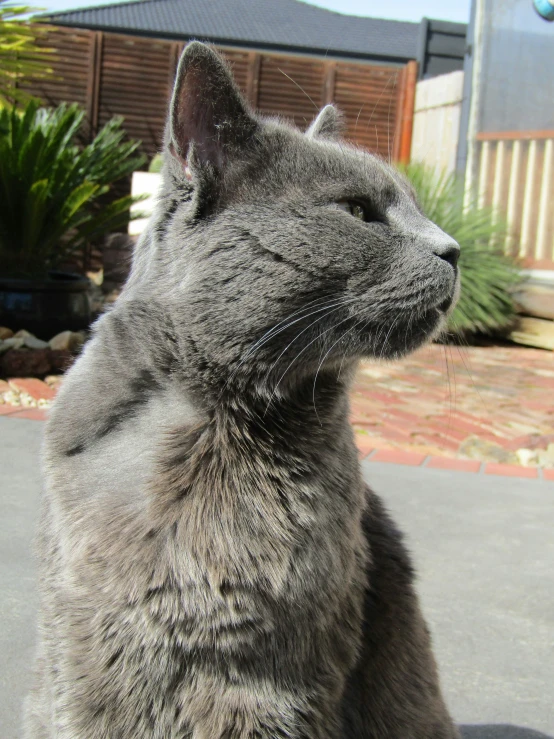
(54, 192)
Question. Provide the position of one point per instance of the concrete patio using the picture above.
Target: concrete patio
(484, 551)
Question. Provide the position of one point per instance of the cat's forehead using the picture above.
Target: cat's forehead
(290, 157)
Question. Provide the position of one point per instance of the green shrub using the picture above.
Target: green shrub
(156, 164)
(50, 186)
(18, 51)
(488, 276)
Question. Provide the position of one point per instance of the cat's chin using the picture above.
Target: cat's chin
(405, 337)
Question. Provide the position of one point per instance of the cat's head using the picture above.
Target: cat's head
(291, 247)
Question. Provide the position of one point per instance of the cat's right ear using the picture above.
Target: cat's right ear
(209, 122)
(327, 125)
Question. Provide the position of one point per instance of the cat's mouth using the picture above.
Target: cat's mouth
(446, 304)
(404, 331)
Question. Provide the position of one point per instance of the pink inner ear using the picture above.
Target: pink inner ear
(175, 153)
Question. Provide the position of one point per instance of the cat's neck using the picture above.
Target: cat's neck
(295, 409)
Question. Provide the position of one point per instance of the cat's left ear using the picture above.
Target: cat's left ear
(328, 124)
(209, 122)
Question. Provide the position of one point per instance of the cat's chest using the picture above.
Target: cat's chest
(247, 517)
(252, 517)
(254, 554)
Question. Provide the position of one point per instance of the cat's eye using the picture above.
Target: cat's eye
(353, 208)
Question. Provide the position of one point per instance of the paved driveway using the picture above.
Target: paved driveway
(484, 547)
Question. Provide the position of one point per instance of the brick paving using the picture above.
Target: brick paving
(490, 403)
(487, 409)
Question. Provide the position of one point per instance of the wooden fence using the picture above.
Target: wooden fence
(112, 74)
(438, 105)
(516, 171)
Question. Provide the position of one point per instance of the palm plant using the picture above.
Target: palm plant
(20, 58)
(488, 275)
(51, 188)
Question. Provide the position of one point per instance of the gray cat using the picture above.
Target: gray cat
(212, 565)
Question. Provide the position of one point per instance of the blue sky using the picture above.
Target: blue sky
(405, 10)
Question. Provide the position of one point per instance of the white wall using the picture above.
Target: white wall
(143, 183)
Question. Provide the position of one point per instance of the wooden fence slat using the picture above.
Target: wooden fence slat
(512, 194)
(408, 113)
(483, 174)
(498, 180)
(117, 74)
(545, 209)
(528, 199)
(328, 94)
(253, 78)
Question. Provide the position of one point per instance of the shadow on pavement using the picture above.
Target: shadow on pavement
(500, 731)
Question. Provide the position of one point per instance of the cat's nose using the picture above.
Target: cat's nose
(448, 250)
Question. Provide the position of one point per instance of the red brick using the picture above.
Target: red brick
(34, 414)
(378, 442)
(437, 440)
(448, 463)
(4, 387)
(397, 428)
(391, 434)
(409, 417)
(398, 457)
(6, 410)
(456, 422)
(365, 445)
(510, 470)
(548, 474)
(446, 432)
(35, 388)
(384, 397)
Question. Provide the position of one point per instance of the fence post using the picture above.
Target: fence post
(253, 78)
(174, 55)
(93, 81)
(328, 93)
(407, 112)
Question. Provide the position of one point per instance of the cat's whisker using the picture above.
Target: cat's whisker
(388, 130)
(449, 387)
(358, 118)
(453, 376)
(336, 304)
(298, 355)
(278, 328)
(341, 337)
(384, 344)
(393, 75)
(300, 88)
(467, 369)
(298, 335)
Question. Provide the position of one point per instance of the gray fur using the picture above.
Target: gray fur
(212, 566)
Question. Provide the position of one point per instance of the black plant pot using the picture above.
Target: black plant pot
(45, 307)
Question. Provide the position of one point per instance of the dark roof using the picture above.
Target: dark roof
(271, 24)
